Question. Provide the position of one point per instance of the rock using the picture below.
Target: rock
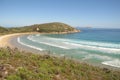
(106, 70)
(3, 71)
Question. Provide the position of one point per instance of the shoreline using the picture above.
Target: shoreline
(7, 41)
(10, 41)
(4, 39)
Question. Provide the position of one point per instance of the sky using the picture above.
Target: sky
(83, 13)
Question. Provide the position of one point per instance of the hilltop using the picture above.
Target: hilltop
(55, 27)
(46, 27)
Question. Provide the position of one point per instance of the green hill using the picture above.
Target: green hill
(47, 27)
(53, 27)
(2, 29)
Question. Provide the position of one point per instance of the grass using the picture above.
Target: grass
(19, 65)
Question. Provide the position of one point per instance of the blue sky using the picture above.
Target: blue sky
(95, 13)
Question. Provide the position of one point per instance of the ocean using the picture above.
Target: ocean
(92, 45)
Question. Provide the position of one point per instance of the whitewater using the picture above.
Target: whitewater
(99, 46)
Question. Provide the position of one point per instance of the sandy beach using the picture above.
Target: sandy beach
(10, 40)
(4, 39)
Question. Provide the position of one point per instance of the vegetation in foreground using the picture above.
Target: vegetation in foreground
(19, 65)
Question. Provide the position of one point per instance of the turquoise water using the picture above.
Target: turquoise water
(100, 46)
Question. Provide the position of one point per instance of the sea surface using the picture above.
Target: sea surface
(99, 46)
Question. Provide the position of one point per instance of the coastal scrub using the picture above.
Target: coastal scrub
(20, 65)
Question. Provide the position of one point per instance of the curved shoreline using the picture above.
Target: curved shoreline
(4, 39)
(11, 41)
(8, 40)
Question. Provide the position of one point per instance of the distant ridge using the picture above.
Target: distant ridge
(47, 28)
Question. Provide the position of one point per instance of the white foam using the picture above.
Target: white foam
(70, 44)
(48, 43)
(101, 57)
(18, 39)
(47, 38)
(114, 63)
(98, 44)
(103, 49)
(37, 34)
(84, 42)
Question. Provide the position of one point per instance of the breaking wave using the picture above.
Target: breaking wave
(79, 48)
(114, 63)
(19, 41)
(71, 44)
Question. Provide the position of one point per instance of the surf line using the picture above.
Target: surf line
(114, 63)
(47, 43)
(19, 41)
(102, 49)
